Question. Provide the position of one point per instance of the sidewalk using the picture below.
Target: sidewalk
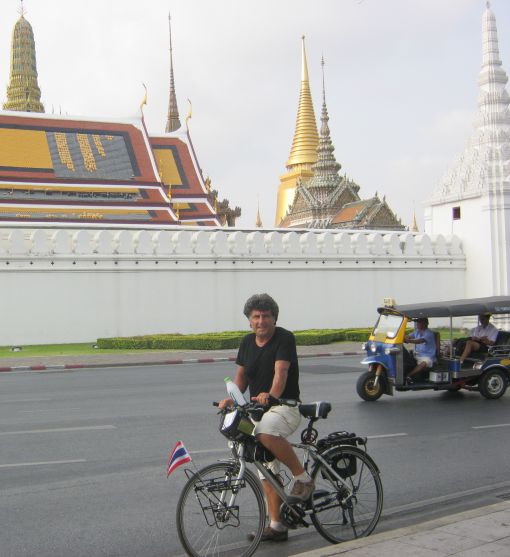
(161, 357)
(474, 533)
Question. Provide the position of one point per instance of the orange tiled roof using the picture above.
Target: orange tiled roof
(60, 169)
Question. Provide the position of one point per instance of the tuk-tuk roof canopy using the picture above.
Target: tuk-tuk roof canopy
(454, 308)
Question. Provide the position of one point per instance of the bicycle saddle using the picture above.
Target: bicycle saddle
(319, 409)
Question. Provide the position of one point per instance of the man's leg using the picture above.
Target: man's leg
(283, 451)
(418, 369)
(303, 484)
(471, 346)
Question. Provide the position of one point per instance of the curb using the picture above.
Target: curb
(63, 367)
(428, 526)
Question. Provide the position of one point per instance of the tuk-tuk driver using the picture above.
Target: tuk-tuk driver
(425, 351)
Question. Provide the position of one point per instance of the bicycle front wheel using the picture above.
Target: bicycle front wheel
(218, 515)
(348, 509)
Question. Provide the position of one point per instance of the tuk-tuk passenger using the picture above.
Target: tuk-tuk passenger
(425, 351)
(481, 337)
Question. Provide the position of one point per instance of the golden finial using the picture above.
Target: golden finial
(144, 101)
(170, 192)
(208, 184)
(414, 225)
(177, 215)
(188, 117)
(258, 221)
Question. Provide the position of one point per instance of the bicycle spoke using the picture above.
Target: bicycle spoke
(351, 508)
(217, 513)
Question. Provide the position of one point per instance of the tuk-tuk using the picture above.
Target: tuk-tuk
(487, 373)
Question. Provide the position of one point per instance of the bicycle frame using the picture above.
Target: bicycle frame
(311, 453)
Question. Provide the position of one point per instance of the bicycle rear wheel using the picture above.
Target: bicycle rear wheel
(218, 515)
(344, 511)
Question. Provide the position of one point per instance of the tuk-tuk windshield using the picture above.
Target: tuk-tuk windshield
(388, 325)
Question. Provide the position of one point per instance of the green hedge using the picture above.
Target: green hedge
(227, 339)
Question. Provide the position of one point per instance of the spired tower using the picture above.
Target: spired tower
(23, 91)
(318, 200)
(303, 153)
(473, 199)
(172, 123)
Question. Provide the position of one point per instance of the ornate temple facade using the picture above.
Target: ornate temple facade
(313, 194)
(473, 198)
(61, 169)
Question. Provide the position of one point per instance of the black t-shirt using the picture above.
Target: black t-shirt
(258, 362)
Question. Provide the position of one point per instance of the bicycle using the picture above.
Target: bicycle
(221, 509)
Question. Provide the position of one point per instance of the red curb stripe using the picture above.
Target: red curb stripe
(173, 361)
(74, 366)
(5, 368)
(206, 360)
(37, 368)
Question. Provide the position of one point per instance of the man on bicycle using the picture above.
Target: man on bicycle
(268, 366)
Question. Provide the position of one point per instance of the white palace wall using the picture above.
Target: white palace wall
(75, 285)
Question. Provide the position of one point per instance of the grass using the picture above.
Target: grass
(77, 349)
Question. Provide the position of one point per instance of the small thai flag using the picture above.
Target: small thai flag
(179, 456)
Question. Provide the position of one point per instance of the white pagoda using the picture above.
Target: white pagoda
(473, 200)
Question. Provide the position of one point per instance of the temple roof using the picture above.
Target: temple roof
(367, 213)
(88, 170)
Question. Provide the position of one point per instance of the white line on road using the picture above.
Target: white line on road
(46, 463)
(387, 435)
(205, 451)
(489, 426)
(59, 429)
(46, 410)
(16, 400)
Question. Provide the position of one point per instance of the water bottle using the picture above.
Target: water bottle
(234, 392)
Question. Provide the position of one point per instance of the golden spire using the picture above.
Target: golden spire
(23, 91)
(414, 225)
(258, 222)
(306, 138)
(172, 123)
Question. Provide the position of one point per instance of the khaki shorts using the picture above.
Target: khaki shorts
(426, 359)
(280, 421)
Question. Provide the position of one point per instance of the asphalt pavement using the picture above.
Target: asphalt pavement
(476, 532)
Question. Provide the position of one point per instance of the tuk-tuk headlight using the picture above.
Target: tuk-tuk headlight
(477, 365)
(373, 348)
(364, 346)
(392, 350)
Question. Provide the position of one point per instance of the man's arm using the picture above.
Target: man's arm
(281, 371)
(240, 379)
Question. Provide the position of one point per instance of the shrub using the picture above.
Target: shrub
(224, 340)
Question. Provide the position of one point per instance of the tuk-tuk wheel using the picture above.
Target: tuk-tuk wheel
(366, 387)
(493, 383)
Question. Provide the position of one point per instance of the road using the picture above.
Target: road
(83, 453)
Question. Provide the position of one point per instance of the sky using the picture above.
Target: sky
(400, 75)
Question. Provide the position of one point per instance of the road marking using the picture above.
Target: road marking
(489, 426)
(59, 429)
(44, 463)
(16, 400)
(387, 435)
(46, 410)
(205, 451)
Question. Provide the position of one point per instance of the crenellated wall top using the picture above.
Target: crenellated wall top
(225, 243)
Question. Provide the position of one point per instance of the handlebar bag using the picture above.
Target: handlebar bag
(235, 426)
